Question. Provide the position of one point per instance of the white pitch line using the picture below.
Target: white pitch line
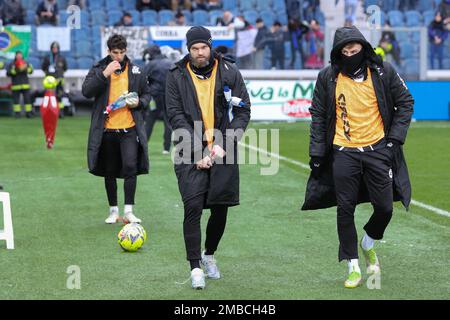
(305, 166)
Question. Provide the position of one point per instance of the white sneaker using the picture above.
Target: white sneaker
(212, 271)
(131, 218)
(166, 152)
(113, 217)
(198, 279)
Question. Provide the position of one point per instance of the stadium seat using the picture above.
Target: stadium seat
(85, 63)
(390, 5)
(95, 4)
(128, 5)
(165, 16)
(200, 18)
(401, 36)
(71, 63)
(414, 37)
(62, 18)
(81, 34)
(114, 16)
(413, 18)
(29, 19)
(279, 6)
(251, 16)
(396, 18)
(35, 62)
(113, 5)
(283, 18)
(213, 15)
(268, 17)
(411, 69)
(263, 5)
(425, 5)
(187, 16)
(246, 5)
(98, 18)
(136, 15)
(149, 18)
(320, 17)
(229, 4)
(95, 32)
(83, 48)
(428, 16)
(407, 50)
(446, 64)
(29, 4)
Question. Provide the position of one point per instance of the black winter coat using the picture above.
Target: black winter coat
(156, 72)
(395, 104)
(221, 182)
(97, 86)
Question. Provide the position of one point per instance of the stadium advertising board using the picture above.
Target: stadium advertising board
(137, 39)
(280, 100)
(48, 34)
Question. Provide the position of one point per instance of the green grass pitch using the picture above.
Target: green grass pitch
(270, 250)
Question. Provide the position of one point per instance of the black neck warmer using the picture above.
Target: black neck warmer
(354, 66)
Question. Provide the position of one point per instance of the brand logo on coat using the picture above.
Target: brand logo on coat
(135, 70)
(390, 173)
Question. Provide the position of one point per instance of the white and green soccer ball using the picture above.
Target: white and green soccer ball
(131, 237)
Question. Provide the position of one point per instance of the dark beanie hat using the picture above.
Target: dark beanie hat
(198, 34)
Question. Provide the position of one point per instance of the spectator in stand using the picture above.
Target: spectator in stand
(200, 5)
(309, 9)
(277, 45)
(293, 9)
(179, 21)
(350, 10)
(178, 5)
(156, 5)
(47, 12)
(437, 33)
(390, 45)
(315, 38)
(296, 31)
(406, 5)
(12, 12)
(79, 3)
(244, 48)
(444, 9)
(125, 21)
(214, 5)
(261, 41)
(230, 21)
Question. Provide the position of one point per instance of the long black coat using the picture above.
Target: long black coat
(221, 182)
(396, 107)
(97, 86)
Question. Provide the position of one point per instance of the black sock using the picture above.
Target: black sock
(194, 264)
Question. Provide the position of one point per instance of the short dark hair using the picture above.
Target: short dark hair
(117, 41)
(277, 24)
(259, 20)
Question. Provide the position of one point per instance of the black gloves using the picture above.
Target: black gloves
(316, 165)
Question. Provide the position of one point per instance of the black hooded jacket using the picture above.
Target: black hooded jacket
(395, 104)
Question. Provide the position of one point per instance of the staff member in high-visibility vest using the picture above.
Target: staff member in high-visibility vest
(19, 70)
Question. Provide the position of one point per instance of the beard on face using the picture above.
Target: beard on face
(200, 63)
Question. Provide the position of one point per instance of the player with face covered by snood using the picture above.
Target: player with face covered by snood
(361, 111)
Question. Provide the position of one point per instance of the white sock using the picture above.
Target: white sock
(367, 242)
(353, 266)
(114, 209)
(128, 208)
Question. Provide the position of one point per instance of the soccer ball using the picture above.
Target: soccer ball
(141, 229)
(50, 82)
(131, 237)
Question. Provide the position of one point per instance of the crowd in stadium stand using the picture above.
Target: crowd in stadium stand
(289, 33)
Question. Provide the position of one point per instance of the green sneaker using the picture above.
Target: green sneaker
(354, 280)
(372, 262)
